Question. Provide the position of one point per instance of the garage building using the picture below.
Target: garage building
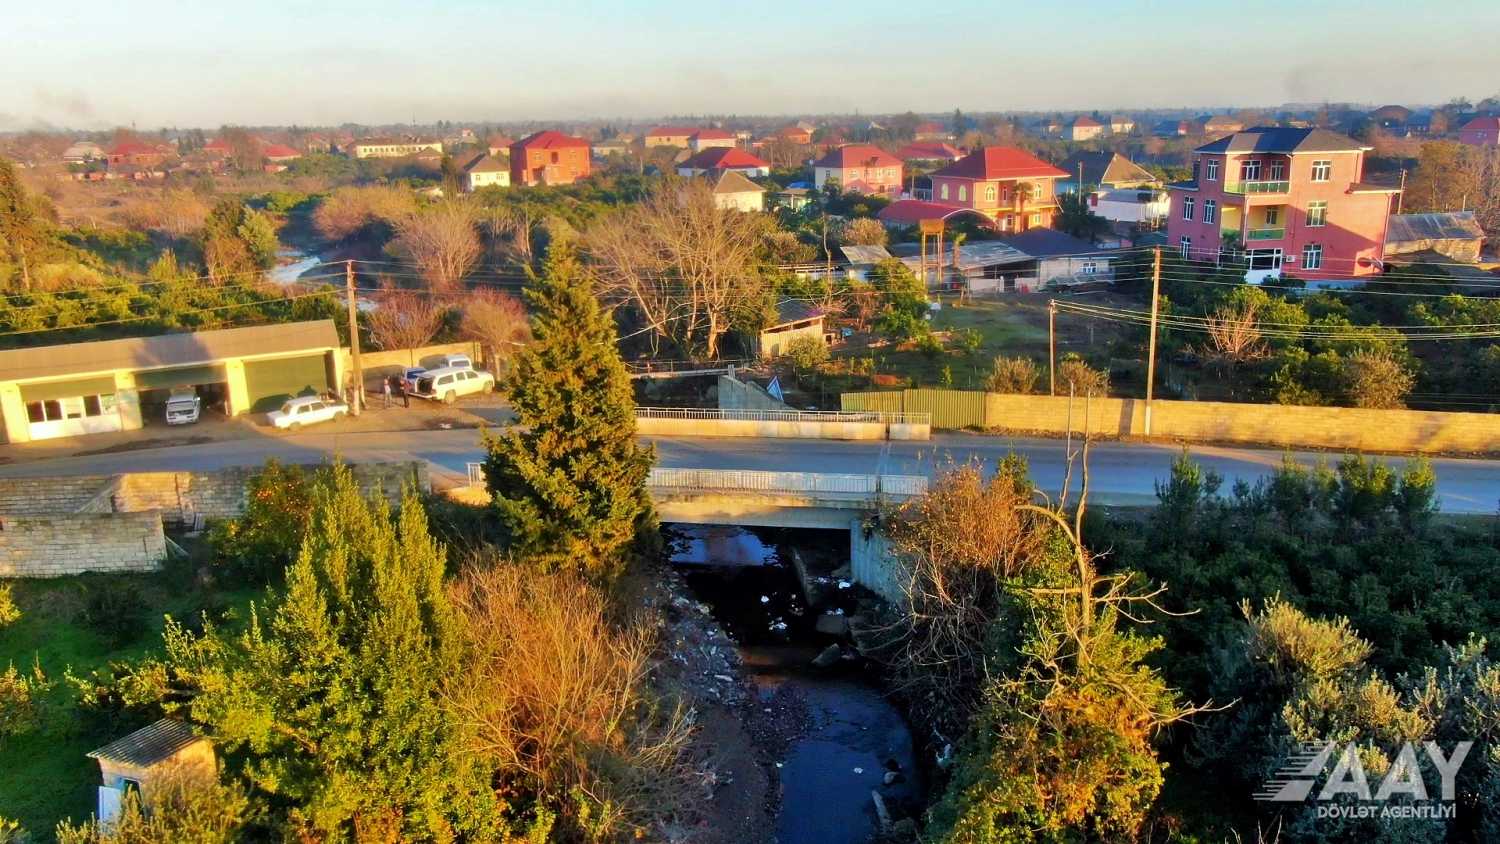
(119, 385)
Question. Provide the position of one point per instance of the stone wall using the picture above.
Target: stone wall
(1287, 426)
(180, 496)
(52, 546)
(29, 496)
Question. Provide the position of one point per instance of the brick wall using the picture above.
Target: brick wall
(52, 546)
(27, 496)
(221, 494)
(1343, 428)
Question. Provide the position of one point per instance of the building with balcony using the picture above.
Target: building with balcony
(549, 158)
(1284, 200)
(1014, 189)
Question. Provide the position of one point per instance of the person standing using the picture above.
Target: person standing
(386, 384)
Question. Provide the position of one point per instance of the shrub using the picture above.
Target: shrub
(1015, 375)
(20, 702)
(116, 611)
(259, 545)
(9, 612)
(807, 354)
(1376, 379)
(1085, 380)
(929, 345)
(11, 832)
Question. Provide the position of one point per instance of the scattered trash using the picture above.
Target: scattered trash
(859, 770)
(844, 584)
(778, 764)
(765, 599)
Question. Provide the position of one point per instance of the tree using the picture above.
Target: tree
(1077, 219)
(367, 211)
(496, 321)
(1085, 380)
(333, 698)
(186, 807)
(686, 266)
(405, 319)
(237, 241)
(1377, 379)
(1015, 375)
(441, 242)
(568, 482)
(807, 354)
(863, 231)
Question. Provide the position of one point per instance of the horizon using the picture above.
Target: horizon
(375, 64)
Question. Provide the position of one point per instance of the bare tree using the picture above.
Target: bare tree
(441, 241)
(405, 319)
(862, 231)
(685, 265)
(496, 321)
(510, 232)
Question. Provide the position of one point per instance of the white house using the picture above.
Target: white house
(486, 171)
(734, 190)
(1147, 206)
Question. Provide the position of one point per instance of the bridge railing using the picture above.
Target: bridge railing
(749, 480)
(882, 417)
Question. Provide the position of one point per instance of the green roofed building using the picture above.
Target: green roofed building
(119, 385)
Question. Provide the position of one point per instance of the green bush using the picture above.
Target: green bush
(258, 546)
(807, 354)
(9, 612)
(20, 703)
(116, 611)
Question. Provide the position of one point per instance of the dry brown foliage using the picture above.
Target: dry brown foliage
(347, 211)
(556, 698)
(959, 543)
(496, 321)
(442, 242)
(863, 232)
(684, 264)
(1015, 375)
(1234, 335)
(405, 319)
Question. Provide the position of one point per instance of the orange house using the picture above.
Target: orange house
(549, 158)
(1010, 186)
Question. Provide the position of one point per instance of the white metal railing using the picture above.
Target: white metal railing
(883, 417)
(749, 480)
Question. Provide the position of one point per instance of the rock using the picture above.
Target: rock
(833, 625)
(893, 777)
(904, 830)
(828, 657)
(843, 572)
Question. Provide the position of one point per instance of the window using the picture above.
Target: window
(1312, 256)
(1265, 259)
(963, 193)
(1272, 215)
(1036, 219)
(1186, 245)
(1317, 213)
(1278, 171)
(1090, 266)
(1211, 169)
(1188, 204)
(1210, 209)
(989, 193)
(1322, 171)
(1250, 170)
(1196, 166)
(943, 191)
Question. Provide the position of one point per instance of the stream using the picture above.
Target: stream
(853, 736)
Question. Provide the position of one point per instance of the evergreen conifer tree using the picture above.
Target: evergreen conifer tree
(568, 482)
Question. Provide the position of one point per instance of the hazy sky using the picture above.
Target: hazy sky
(98, 63)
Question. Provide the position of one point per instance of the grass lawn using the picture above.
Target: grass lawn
(44, 775)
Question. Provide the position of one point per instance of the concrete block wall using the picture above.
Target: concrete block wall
(221, 494)
(53, 546)
(30, 496)
(735, 394)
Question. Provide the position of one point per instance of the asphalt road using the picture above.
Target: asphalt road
(1120, 473)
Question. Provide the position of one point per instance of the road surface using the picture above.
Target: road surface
(1120, 472)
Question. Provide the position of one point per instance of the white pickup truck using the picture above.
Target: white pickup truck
(183, 407)
(309, 410)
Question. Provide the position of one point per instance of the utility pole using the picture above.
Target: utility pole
(25, 269)
(1151, 353)
(1402, 195)
(356, 394)
(1052, 347)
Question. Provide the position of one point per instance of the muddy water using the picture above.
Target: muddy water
(852, 734)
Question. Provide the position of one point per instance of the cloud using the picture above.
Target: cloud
(71, 104)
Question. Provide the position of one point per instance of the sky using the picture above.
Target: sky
(93, 64)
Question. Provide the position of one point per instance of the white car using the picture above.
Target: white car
(307, 411)
(457, 362)
(449, 383)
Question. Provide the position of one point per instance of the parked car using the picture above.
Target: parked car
(183, 406)
(410, 376)
(449, 383)
(308, 410)
(456, 362)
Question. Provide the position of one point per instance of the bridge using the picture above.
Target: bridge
(751, 498)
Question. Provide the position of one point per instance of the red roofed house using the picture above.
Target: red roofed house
(280, 153)
(219, 148)
(724, 159)
(860, 168)
(928, 151)
(795, 134)
(1012, 187)
(1481, 132)
(135, 152)
(670, 136)
(931, 131)
(1085, 128)
(711, 139)
(548, 158)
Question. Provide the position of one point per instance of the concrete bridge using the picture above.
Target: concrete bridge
(784, 499)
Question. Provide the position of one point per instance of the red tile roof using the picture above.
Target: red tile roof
(858, 155)
(994, 163)
(549, 139)
(217, 145)
(670, 131)
(1482, 124)
(930, 126)
(1085, 120)
(909, 212)
(929, 151)
(281, 151)
(133, 148)
(713, 135)
(723, 158)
